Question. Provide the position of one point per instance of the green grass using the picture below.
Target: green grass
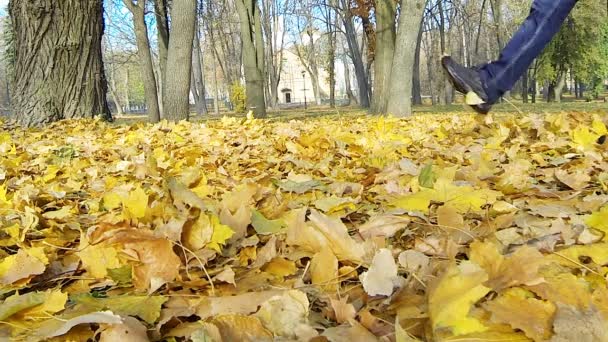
(513, 107)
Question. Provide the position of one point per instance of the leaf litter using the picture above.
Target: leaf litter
(433, 228)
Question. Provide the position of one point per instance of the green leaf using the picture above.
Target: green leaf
(427, 178)
(17, 302)
(145, 307)
(264, 226)
(122, 275)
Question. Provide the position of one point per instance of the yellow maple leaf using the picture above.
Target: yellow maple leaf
(96, 259)
(583, 139)
(198, 234)
(518, 308)
(111, 200)
(280, 267)
(221, 234)
(136, 203)
(51, 173)
(54, 302)
(599, 221)
(598, 125)
(451, 298)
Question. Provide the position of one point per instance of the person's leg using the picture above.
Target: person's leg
(543, 23)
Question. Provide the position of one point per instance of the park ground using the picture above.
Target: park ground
(326, 224)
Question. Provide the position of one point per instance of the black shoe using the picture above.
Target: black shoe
(466, 80)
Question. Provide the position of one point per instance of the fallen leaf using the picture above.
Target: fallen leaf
(518, 308)
(264, 226)
(381, 278)
(20, 266)
(572, 324)
(324, 270)
(145, 307)
(451, 298)
(130, 330)
(343, 310)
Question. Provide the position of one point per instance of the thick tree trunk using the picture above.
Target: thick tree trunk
(253, 55)
(216, 98)
(400, 85)
(385, 50)
(355, 53)
(176, 103)
(145, 58)
(416, 87)
(58, 61)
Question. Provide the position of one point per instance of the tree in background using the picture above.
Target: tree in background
(176, 103)
(59, 70)
(577, 49)
(253, 55)
(138, 11)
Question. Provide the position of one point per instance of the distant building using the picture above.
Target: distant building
(296, 85)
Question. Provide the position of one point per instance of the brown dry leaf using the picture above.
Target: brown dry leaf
(563, 288)
(572, 324)
(22, 265)
(518, 308)
(130, 330)
(353, 332)
(241, 328)
(157, 262)
(244, 304)
(519, 268)
(343, 310)
(227, 276)
(575, 181)
(324, 270)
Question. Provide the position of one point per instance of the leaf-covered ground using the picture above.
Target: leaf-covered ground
(435, 228)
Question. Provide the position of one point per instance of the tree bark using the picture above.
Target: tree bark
(355, 54)
(385, 50)
(58, 61)
(400, 85)
(559, 87)
(253, 55)
(145, 58)
(416, 87)
(162, 27)
(524, 87)
(176, 103)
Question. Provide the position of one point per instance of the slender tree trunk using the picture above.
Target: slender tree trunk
(179, 61)
(524, 87)
(198, 79)
(559, 87)
(416, 87)
(145, 59)
(253, 55)
(162, 27)
(446, 90)
(58, 61)
(355, 53)
(385, 50)
(127, 97)
(400, 85)
(216, 99)
(347, 86)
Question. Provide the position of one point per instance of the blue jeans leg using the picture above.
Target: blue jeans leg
(545, 19)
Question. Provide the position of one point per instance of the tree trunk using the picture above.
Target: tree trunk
(416, 87)
(199, 77)
(524, 87)
(355, 53)
(559, 87)
(347, 86)
(145, 59)
(176, 103)
(162, 27)
(58, 61)
(253, 55)
(385, 50)
(400, 85)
